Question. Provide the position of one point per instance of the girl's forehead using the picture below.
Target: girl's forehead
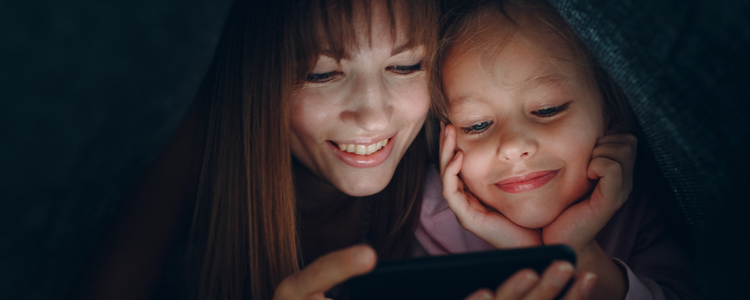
(513, 58)
(512, 65)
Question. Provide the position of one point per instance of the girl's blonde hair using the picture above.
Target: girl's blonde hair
(243, 237)
(463, 23)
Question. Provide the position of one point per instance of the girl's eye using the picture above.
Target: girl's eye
(477, 128)
(550, 111)
(404, 70)
(322, 77)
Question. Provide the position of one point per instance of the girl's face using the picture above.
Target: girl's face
(353, 120)
(527, 124)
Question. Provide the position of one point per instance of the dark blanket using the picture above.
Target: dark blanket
(683, 66)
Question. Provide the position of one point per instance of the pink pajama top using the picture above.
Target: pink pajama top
(636, 238)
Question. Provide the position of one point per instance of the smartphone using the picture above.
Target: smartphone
(450, 276)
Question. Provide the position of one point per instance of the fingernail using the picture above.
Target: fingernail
(483, 295)
(365, 257)
(588, 284)
(560, 276)
(526, 282)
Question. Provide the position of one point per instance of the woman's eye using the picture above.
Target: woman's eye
(405, 69)
(322, 77)
(477, 128)
(550, 111)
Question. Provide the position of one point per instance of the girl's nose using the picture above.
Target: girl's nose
(516, 145)
(369, 107)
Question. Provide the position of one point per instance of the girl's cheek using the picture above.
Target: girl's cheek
(473, 164)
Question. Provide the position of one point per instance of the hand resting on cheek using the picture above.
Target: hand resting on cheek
(612, 164)
(471, 213)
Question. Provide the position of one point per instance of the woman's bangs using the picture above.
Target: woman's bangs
(330, 27)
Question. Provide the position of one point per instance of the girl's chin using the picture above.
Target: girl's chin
(533, 221)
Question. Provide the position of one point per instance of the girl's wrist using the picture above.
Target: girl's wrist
(612, 283)
(590, 255)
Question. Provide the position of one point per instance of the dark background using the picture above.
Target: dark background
(90, 91)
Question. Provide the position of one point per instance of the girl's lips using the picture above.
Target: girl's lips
(364, 161)
(526, 182)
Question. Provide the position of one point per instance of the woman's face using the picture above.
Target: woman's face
(353, 119)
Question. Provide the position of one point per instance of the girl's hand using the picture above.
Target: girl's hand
(489, 225)
(525, 284)
(326, 272)
(612, 164)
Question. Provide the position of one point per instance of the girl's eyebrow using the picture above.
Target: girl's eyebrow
(457, 103)
(550, 79)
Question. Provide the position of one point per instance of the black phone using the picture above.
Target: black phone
(450, 276)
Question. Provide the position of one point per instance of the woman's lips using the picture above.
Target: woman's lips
(526, 182)
(364, 161)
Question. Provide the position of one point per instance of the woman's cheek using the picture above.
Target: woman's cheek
(415, 99)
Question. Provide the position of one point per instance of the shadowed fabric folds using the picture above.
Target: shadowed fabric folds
(683, 67)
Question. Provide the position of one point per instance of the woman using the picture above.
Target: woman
(343, 87)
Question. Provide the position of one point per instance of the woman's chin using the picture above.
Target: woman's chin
(363, 188)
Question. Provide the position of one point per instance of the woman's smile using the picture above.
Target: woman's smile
(364, 154)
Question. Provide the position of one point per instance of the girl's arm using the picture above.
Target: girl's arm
(642, 243)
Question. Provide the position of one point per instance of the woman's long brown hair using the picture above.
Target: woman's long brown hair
(243, 237)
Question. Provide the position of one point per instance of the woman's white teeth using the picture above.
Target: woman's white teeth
(363, 149)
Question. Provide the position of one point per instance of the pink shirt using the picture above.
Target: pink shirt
(636, 238)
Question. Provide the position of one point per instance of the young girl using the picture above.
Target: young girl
(537, 152)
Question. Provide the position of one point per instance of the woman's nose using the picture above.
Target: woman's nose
(369, 106)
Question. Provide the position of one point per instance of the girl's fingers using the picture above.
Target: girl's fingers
(618, 152)
(327, 272)
(442, 135)
(628, 139)
(447, 147)
(517, 285)
(605, 168)
(623, 155)
(453, 193)
(553, 281)
(610, 185)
